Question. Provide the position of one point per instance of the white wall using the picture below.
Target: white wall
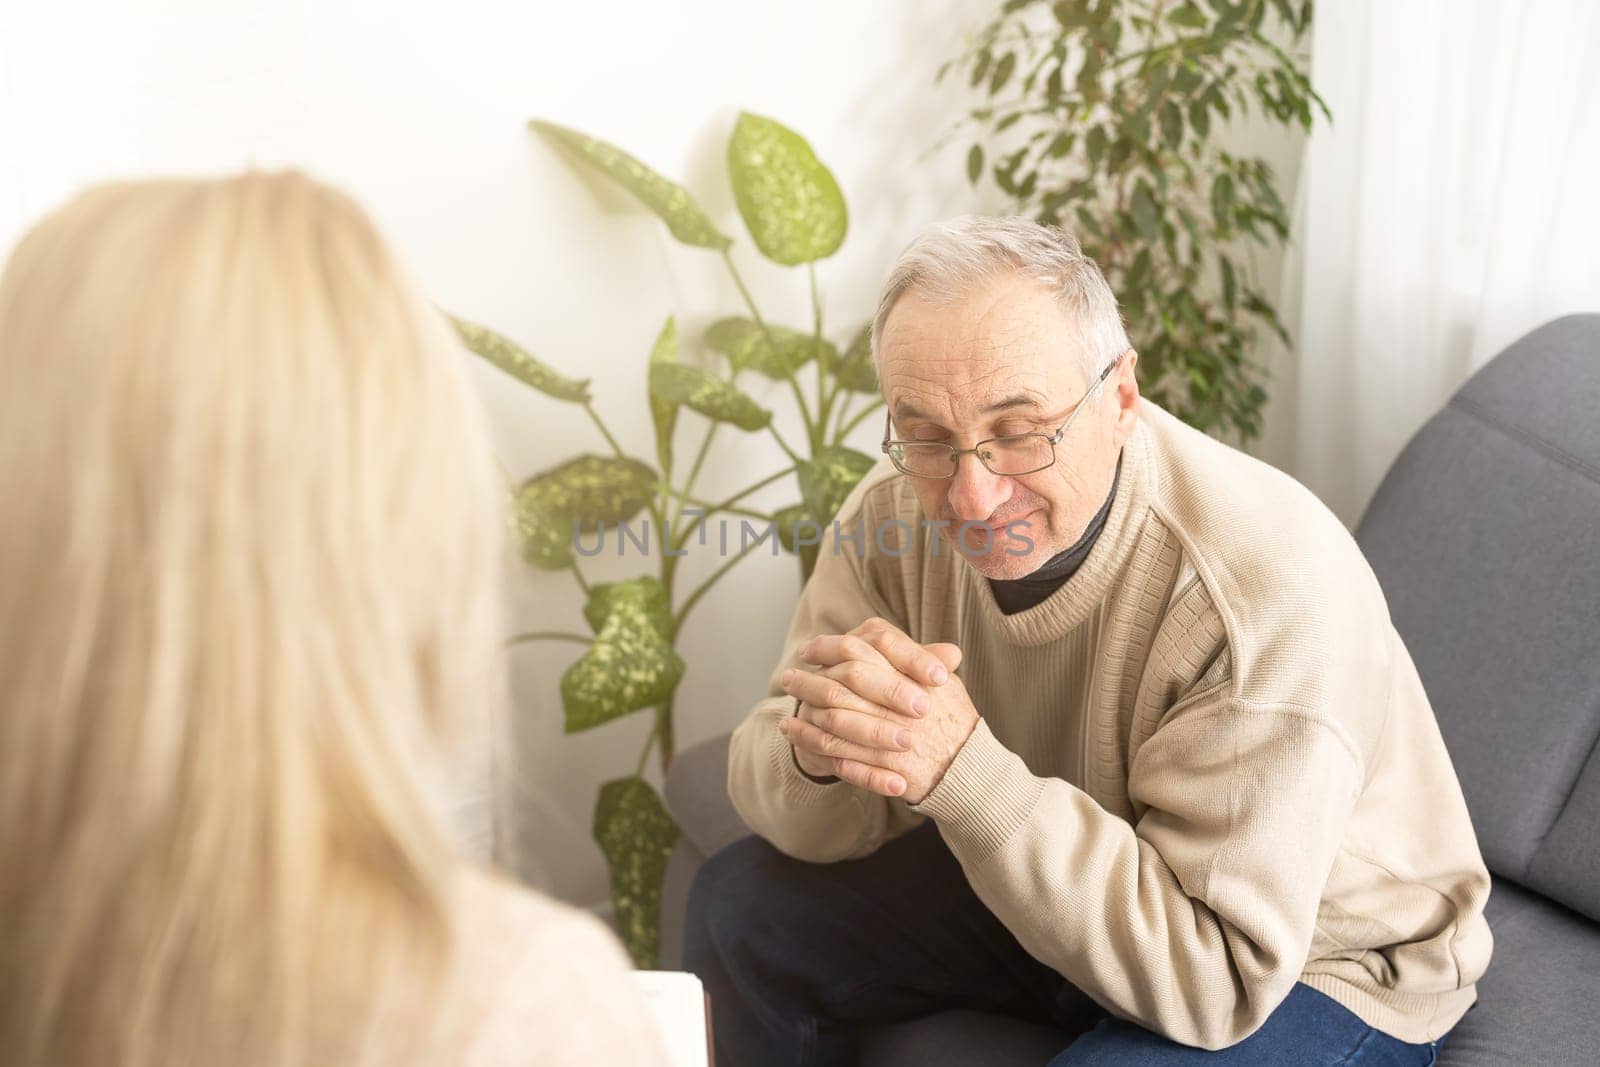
(419, 110)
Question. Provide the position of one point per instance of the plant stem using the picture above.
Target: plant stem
(860, 415)
(818, 433)
(844, 408)
(727, 505)
(694, 473)
(708, 509)
(602, 426)
(649, 742)
(749, 302)
(747, 490)
(705, 586)
(578, 574)
(663, 734)
(791, 453)
(549, 635)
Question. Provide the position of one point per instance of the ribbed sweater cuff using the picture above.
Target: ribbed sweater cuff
(984, 797)
(797, 787)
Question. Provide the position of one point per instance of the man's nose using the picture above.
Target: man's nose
(976, 491)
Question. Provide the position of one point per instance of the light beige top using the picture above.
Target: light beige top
(541, 983)
(1206, 767)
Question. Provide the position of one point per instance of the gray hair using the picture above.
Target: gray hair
(949, 259)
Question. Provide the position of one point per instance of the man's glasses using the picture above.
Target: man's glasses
(1009, 456)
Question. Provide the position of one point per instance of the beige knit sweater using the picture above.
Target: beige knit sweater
(1206, 768)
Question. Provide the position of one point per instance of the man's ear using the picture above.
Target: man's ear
(1126, 383)
(949, 655)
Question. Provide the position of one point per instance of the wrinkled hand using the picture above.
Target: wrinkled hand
(880, 711)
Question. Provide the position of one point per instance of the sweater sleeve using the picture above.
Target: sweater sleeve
(1195, 919)
(818, 821)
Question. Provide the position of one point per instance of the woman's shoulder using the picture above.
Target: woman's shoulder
(544, 982)
(493, 902)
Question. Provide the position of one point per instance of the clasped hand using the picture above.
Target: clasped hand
(880, 711)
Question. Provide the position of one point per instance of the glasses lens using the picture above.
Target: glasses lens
(1022, 454)
(924, 461)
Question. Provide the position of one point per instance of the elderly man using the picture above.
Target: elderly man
(1087, 718)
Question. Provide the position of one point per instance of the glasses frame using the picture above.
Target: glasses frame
(977, 449)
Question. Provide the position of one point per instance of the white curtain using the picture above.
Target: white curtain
(1452, 206)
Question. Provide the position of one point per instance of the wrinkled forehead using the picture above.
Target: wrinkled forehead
(1006, 340)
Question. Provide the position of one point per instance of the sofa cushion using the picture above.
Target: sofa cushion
(696, 795)
(1536, 1003)
(1485, 536)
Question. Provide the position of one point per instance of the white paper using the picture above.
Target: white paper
(677, 1004)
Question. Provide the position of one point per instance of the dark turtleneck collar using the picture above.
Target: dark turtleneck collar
(1020, 594)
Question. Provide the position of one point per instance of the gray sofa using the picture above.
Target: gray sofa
(1486, 537)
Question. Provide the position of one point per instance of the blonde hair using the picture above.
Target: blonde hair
(248, 575)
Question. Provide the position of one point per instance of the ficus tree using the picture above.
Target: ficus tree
(1106, 117)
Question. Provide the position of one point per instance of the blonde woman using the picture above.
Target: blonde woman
(248, 576)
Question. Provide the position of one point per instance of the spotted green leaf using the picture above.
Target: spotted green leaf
(546, 535)
(827, 478)
(671, 201)
(663, 412)
(515, 361)
(854, 369)
(702, 391)
(636, 834)
(645, 594)
(581, 493)
(747, 345)
(789, 200)
(631, 665)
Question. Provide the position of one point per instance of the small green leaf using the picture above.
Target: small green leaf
(974, 164)
(704, 392)
(746, 344)
(827, 478)
(1052, 84)
(1222, 200)
(1087, 220)
(516, 362)
(1188, 15)
(790, 202)
(669, 200)
(636, 835)
(981, 67)
(1002, 72)
(664, 413)
(1171, 124)
(631, 664)
(1146, 216)
(1096, 144)
(854, 370)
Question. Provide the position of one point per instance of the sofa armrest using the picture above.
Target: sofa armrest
(696, 795)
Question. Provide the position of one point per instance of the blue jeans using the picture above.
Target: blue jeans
(799, 958)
